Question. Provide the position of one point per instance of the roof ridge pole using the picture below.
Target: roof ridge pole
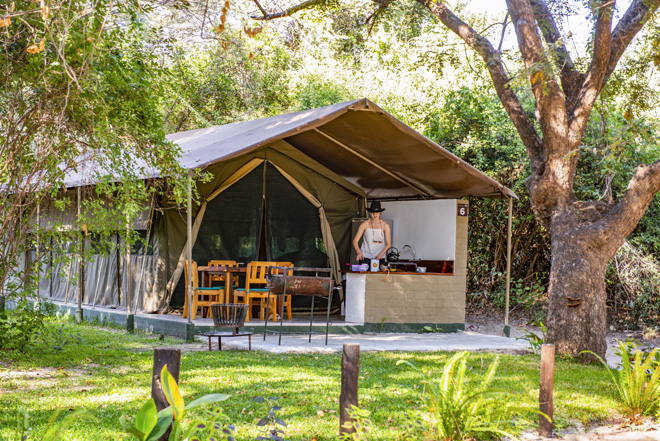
(371, 161)
(507, 328)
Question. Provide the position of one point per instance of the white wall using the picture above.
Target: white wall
(428, 226)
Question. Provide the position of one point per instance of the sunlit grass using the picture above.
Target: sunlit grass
(108, 373)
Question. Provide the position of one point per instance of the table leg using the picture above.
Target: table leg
(229, 287)
(219, 343)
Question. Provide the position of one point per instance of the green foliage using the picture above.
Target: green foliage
(457, 411)
(638, 380)
(318, 93)
(358, 426)
(150, 424)
(23, 324)
(535, 341)
(54, 429)
(270, 426)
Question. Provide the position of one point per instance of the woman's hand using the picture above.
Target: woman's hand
(359, 255)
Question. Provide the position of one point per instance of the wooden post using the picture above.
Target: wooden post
(546, 404)
(350, 372)
(162, 357)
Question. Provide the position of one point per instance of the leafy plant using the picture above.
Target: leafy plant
(360, 425)
(150, 424)
(638, 380)
(535, 341)
(270, 425)
(53, 430)
(455, 411)
(23, 324)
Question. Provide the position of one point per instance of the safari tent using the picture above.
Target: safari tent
(281, 188)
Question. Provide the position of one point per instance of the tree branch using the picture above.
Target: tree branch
(286, 12)
(595, 77)
(638, 13)
(571, 80)
(510, 101)
(550, 102)
(612, 229)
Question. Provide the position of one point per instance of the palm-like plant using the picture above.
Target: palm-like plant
(638, 380)
(456, 411)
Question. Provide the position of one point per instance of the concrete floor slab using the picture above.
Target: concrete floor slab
(458, 341)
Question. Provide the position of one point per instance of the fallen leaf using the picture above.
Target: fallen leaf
(4, 22)
(320, 414)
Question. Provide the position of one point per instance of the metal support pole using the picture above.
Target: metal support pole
(79, 310)
(190, 327)
(130, 317)
(507, 328)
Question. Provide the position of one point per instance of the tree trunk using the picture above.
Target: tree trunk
(577, 316)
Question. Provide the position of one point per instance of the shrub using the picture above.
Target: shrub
(638, 380)
(23, 324)
(455, 410)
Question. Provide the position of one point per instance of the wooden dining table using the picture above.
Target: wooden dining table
(227, 271)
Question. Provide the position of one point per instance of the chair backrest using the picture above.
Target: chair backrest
(279, 271)
(218, 277)
(231, 263)
(256, 274)
(195, 279)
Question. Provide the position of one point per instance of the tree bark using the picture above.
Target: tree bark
(577, 313)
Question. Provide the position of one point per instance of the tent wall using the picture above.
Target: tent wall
(340, 199)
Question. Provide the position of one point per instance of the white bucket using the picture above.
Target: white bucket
(374, 265)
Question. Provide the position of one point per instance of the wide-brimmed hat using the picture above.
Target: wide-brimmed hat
(375, 207)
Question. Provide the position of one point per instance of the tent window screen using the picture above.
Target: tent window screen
(230, 228)
(293, 227)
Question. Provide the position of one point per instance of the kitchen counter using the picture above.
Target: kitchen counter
(404, 298)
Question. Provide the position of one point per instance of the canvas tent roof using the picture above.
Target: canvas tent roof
(356, 140)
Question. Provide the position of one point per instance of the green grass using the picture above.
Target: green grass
(108, 373)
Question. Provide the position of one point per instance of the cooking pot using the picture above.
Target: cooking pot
(392, 255)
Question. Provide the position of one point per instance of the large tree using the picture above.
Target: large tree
(585, 235)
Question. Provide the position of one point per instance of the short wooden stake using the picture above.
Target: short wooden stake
(162, 357)
(350, 372)
(546, 405)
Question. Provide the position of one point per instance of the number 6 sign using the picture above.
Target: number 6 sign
(462, 209)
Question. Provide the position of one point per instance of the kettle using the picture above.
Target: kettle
(392, 255)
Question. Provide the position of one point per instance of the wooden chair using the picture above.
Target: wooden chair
(255, 291)
(218, 277)
(201, 296)
(287, 298)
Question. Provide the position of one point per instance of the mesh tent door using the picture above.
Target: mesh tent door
(230, 228)
(293, 227)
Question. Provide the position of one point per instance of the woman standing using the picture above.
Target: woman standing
(375, 234)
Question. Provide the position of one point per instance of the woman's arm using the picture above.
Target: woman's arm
(356, 240)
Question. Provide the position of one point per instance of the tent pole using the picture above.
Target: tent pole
(79, 310)
(190, 328)
(130, 317)
(507, 328)
(144, 256)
